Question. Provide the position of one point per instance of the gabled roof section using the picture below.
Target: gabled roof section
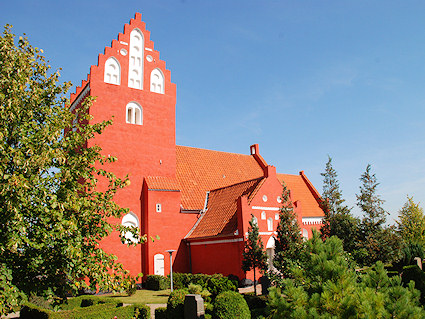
(199, 170)
(302, 190)
(161, 183)
(220, 218)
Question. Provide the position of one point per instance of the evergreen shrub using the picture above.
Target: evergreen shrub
(231, 305)
(414, 273)
(161, 313)
(218, 284)
(182, 280)
(175, 304)
(142, 311)
(157, 282)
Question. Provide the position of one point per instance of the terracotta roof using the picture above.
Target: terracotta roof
(220, 217)
(162, 183)
(200, 170)
(300, 191)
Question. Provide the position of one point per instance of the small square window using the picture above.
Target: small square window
(158, 208)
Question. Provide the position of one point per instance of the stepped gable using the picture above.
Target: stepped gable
(119, 49)
(199, 170)
(302, 190)
(220, 217)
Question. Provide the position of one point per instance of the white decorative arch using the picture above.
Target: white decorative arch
(158, 264)
(270, 243)
(135, 64)
(112, 71)
(130, 220)
(305, 233)
(263, 215)
(134, 113)
(157, 81)
(255, 220)
(270, 252)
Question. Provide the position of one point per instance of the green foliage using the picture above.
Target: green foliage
(52, 214)
(288, 241)
(182, 280)
(212, 283)
(415, 274)
(157, 282)
(142, 311)
(87, 301)
(161, 313)
(254, 256)
(369, 202)
(218, 284)
(338, 220)
(101, 311)
(374, 241)
(411, 223)
(231, 305)
(175, 304)
(325, 285)
(255, 302)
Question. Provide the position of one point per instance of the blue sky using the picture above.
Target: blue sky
(303, 79)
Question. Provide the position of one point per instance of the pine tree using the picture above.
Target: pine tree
(374, 241)
(369, 202)
(338, 220)
(411, 223)
(288, 240)
(253, 255)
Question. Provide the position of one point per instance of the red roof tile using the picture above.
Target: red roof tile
(162, 183)
(200, 170)
(220, 217)
(300, 191)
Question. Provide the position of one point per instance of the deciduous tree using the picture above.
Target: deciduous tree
(52, 214)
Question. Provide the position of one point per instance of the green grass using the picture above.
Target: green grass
(144, 297)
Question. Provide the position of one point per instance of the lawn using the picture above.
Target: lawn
(144, 296)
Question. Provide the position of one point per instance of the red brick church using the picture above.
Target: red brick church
(198, 201)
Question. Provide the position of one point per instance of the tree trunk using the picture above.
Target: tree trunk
(255, 286)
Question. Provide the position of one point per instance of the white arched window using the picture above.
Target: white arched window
(255, 220)
(134, 113)
(112, 71)
(157, 81)
(263, 215)
(270, 224)
(135, 65)
(305, 234)
(130, 220)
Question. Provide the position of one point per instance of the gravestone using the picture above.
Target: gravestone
(194, 307)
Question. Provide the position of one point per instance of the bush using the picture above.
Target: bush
(218, 284)
(255, 302)
(161, 313)
(234, 279)
(157, 282)
(175, 304)
(182, 280)
(142, 311)
(414, 273)
(230, 305)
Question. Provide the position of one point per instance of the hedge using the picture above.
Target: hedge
(157, 282)
(87, 300)
(101, 311)
(175, 304)
(161, 313)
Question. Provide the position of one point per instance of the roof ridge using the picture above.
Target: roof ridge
(233, 185)
(206, 149)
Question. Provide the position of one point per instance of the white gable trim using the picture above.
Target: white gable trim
(265, 208)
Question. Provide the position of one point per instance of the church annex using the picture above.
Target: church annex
(199, 202)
